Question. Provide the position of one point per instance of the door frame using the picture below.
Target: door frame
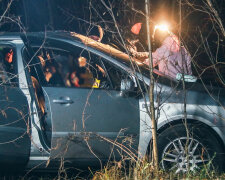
(39, 150)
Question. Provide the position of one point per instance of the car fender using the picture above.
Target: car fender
(145, 127)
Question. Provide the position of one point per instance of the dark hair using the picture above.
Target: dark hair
(159, 37)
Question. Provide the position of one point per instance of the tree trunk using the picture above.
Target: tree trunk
(151, 91)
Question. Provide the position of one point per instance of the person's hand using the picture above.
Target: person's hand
(133, 42)
(132, 50)
(9, 56)
(101, 70)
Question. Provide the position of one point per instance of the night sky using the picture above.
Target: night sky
(39, 15)
(82, 16)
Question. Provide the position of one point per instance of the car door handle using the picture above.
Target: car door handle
(63, 100)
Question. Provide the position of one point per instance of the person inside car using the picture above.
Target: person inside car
(84, 73)
(48, 73)
(6, 65)
(9, 61)
(87, 75)
(40, 56)
(66, 66)
(74, 80)
(52, 75)
(9, 56)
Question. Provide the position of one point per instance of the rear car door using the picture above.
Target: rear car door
(14, 113)
(90, 118)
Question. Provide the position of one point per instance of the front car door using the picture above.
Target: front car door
(14, 113)
(90, 118)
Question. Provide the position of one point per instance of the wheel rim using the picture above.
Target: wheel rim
(176, 158)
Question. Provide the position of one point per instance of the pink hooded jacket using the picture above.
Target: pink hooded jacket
(169, 59)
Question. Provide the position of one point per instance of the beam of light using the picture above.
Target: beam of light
(164, 27)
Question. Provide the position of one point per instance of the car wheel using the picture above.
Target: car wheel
(180, 153)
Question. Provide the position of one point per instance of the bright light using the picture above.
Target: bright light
(162, 27)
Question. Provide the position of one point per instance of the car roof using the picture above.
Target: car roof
(17, 35)
(27, 36)
(69, 36)
(9, 36)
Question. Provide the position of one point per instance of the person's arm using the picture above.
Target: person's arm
(187, 61)
(133, 50)
(158, 55)
(138, 55)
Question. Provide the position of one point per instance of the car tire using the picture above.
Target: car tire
(203, 148)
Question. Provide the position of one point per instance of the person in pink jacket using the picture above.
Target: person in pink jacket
(170, 57)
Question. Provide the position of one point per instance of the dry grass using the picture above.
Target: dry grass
(145, 170)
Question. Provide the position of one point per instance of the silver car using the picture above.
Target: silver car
(69, 98)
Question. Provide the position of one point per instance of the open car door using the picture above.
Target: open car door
(14, 114)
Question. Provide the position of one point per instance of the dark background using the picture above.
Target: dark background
(83, 16)
(75, 15)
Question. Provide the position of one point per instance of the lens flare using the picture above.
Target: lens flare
(162, 27)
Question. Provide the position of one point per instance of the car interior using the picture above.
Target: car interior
(7, 65)
(69, 69)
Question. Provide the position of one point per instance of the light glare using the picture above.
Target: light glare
(162, 27)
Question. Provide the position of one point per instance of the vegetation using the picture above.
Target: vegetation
(148, 169)
(145, 170)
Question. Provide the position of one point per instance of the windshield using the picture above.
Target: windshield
(135, 64)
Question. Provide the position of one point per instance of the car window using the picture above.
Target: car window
(77, 68)
(115, 74)
(7, 65)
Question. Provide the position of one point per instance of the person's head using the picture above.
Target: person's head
(160, 36)
(82, 61)
(49, 71)
(48, 74)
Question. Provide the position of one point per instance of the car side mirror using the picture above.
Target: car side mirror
(127, 86)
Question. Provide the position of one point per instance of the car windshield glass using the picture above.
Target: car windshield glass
(135, 64)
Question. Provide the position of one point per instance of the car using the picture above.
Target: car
(68, 98)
